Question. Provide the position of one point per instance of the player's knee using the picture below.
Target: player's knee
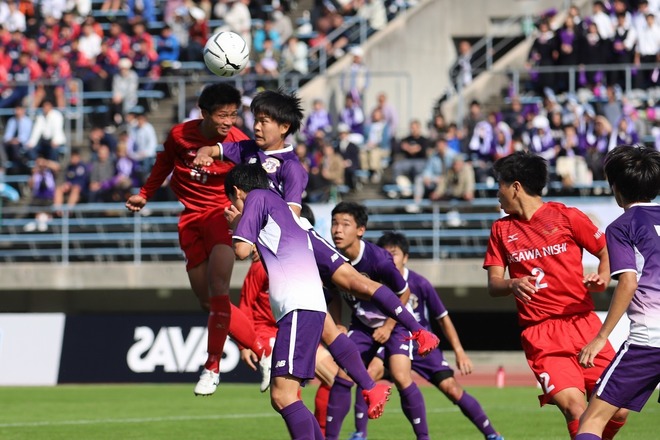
(219, 287)
(450, 388)
(621, 415)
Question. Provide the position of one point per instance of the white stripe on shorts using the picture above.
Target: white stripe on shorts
(615, 362)
(292, 339)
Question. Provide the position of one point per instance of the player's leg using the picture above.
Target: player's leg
(326, 370)
(347, 278)
(412, 401)
(595, 418)
(376, 370)
(436, 370)
(216, 283)
(468, 405)
(299, 332)
(345, 353)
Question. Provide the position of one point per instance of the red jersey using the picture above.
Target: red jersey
(255, 302)
(198, 189)
(549, 247)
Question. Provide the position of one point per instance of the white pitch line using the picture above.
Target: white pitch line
(141, 420)
(185, 418)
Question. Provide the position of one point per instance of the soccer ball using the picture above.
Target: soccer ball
(226, 54)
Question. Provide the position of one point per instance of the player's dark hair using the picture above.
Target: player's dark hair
(524, 167)
(282, 107)
(306, 212)
(218, 95)
(394, 239)
(246, 177)
(359, 212)
(635, 171)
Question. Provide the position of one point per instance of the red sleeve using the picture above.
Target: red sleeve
(162, 168)
(256, 281)
(65, 69)
(495, 252)
(586, 234)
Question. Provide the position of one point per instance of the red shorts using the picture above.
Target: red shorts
(551, 348)
(200, 232)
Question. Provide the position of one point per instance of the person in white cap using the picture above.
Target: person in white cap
(124, 91)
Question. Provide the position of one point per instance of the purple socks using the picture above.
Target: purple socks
(347, 356)
(391, 305)
(301, 422)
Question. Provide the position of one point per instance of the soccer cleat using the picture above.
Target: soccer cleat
(208, 382)
(357, 436)
(265, 364)
(426, 341)
(494, 437)
(376, 398)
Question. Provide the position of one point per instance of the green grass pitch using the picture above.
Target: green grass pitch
(240, 412)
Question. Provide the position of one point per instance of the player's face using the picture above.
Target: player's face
(268, 133)
(237, 199)
(398, 256)
(221, 120)
(505, 195)
(345, 231)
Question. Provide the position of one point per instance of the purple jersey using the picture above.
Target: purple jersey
(633, 244)
(282, 167)
(285, 250)
(424, 299)
(375, 263)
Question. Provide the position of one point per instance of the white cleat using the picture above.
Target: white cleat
(207, 384)
(264, 367)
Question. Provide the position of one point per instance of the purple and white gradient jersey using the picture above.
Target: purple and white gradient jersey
(375, 263)
(286, 251)
(424, 299)
(282, 167)
(633, 244)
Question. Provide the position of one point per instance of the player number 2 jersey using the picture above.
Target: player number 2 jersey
(548, 247)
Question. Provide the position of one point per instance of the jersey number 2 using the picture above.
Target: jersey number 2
(544, 378)
(539, 274)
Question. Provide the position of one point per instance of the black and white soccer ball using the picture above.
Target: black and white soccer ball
(226, 54)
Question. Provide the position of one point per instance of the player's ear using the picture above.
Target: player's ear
(284, 128)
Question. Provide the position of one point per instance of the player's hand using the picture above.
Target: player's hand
(232, 215)
(135, 202)
(464, 363)
(204, 157)
(524, 288)
(590, 351)
(382, 334)
(250, 358)
(594, 282)
(342, 328)
(255, 256)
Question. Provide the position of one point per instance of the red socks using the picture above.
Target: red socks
(611, 429)
(573, 426)
(321, 405)
(218, 328)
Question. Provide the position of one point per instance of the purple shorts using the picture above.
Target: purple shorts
(328, 259)
(631, 378)
(428, 367)
(360, 334)
(298, 337)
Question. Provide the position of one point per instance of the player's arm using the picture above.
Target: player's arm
(243, 249)
(623, 294)
(463, 362)
(522, 288)
(162, 168)
(598, 282)
(334, 307)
